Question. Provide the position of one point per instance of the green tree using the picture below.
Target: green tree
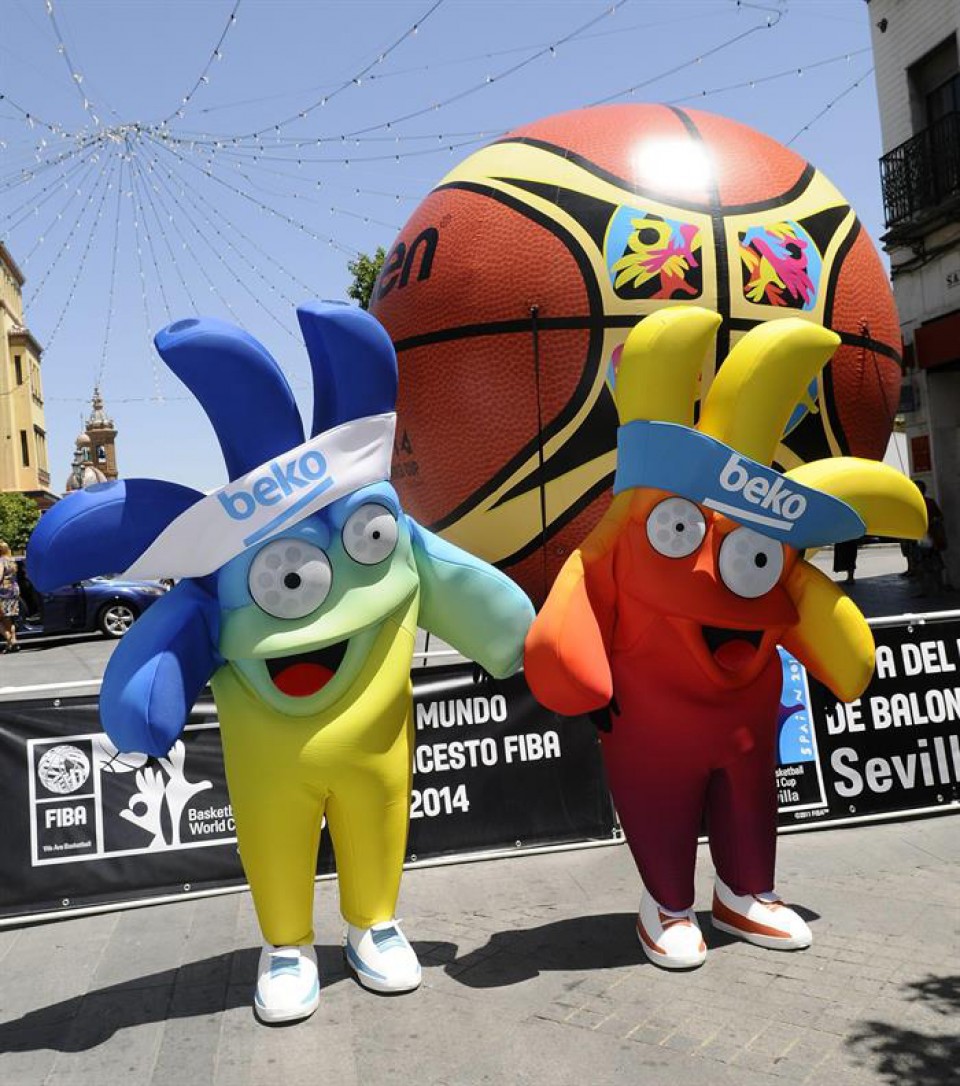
(365, 270)
(18, 517)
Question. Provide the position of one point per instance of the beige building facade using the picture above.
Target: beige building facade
(23, 433)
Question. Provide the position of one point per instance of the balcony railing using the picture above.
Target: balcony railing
(923, 173)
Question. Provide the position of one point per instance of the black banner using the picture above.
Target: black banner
(896, 748)
(493, 769)
(87, 826)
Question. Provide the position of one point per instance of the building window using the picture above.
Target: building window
(24, 448)
(934, 84)
(18, 368)
(40, 439)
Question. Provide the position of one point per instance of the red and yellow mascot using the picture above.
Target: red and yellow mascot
(670, 613)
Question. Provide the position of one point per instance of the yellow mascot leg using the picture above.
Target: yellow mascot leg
(368, 816)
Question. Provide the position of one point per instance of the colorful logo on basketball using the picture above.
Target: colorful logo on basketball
(781, 266)
(649, 256)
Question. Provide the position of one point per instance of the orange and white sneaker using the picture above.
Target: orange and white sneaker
(762, 919)
(670, 939)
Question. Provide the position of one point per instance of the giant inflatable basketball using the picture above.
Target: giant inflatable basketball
(511, 289)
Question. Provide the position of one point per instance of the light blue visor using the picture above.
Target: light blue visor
(676, 458)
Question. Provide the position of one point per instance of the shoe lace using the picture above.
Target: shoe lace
(389, 937)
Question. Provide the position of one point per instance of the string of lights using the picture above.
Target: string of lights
(73, 191)
(75, 77)
(141, 221)
(148, 325)
(51, 339)
(212, 208)
(227, 267)
(31, 118)
(174, 222)
(25, 176)
(68, 241)
(354, 80)
(799, 72)
(47, 193)
(548, 50)
(699, 58)
(826, 109)
(204, 78)
(208, 172)
(149, 190)
(115, 248)
(313, 200)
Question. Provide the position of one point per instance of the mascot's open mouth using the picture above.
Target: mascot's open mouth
(306, 673)
(732, 649)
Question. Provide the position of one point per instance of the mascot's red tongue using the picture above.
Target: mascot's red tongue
(302, 679)
(735, 654)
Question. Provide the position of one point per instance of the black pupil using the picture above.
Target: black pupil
(680, 526)
(292, 580)
(376, 533)
(760, 561)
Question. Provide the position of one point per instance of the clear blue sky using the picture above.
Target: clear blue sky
(137, 59)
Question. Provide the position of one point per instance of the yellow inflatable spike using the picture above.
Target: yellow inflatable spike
(888, 503)
(661, 362)
(832, 639)
(764, 377)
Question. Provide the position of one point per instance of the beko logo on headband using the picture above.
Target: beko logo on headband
(775, 497)
(278, 481)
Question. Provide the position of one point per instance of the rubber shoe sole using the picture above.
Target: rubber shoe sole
(294, 1014)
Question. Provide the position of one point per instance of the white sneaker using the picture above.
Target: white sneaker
(288, 987)
(670, 939)
(762, 919)
(382, 958)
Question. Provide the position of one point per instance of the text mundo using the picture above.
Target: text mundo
(458, 712)
(278, 481)
(777, 497)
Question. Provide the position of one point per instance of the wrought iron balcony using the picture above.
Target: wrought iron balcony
(923, 174)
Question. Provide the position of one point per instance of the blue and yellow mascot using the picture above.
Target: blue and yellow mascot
(301, 586)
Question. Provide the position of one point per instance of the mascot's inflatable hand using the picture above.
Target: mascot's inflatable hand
(290, 569)
(703, 535)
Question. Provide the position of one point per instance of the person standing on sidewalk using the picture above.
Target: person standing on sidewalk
(9, 598)
(929, 552)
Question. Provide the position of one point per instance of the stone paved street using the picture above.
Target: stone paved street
(532, 974)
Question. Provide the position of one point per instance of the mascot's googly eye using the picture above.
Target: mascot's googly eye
(675, 528)
(750, 564)
(370, 534)
(289, 578)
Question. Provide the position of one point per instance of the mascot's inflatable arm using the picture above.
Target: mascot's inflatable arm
(722, 466)
(152, 528)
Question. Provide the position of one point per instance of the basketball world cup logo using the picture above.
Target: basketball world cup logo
(63, 769)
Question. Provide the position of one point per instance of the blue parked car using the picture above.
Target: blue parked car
(110, 606)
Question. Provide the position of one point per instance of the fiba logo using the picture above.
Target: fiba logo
(63, 769)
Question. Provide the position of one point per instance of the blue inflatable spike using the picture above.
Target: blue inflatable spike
(240, 387)
(102, 529)
(353, 361)
(159, 669)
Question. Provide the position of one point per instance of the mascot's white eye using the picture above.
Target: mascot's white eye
(370, 534)
(289, 578)
(750, 564)
(675, 528)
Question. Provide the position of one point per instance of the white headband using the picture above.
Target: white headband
(270, 498)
